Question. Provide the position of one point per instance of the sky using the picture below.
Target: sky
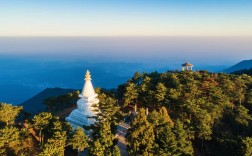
(125, 18)
(212, 32)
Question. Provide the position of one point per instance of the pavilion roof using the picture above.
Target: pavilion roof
(187, 64)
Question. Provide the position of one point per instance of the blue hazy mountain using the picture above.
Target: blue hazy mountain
(23, 77)
(35, 103)
(245, 64)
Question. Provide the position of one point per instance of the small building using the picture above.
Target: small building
(187, 66)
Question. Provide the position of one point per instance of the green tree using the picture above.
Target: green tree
(164, 117)
(247, 146)
(160, 118)
(240, 89)
(41, 121)
(130, 94)
(56, 144)
(137, 78)
(154, 118)
(160, 93)
(8, 113)
(108, 107)
(116, 151)
(78, 140)
(50, 103)
(242, 116)
(141, 135)
(184, 145)
(166, 143)
(9, 140)
(102, 139)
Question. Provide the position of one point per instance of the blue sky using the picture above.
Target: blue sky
(125, 18)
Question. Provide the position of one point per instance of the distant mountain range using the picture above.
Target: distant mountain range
(21, 79)
(35, 104)
(246, 64)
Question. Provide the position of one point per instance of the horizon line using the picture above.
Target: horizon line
(94, 36)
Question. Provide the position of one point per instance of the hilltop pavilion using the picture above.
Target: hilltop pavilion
(82, 116)
(187, 66)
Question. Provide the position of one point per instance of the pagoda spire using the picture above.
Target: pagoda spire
(88, 90)
(87, 76)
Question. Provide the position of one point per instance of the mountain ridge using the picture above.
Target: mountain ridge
(35, 103)
(245, 64)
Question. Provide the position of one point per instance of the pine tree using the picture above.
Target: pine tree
(247, 146)
(108, 108)
(242, 116)
(160, 93)
(116, 151)
(9, 139)
(137, 78)
(102, 139)
(164, 117)
(160, 118)
(50, 103)
(184, 145)
(41, 121)
(140, 136)
(154, 118)
(78, 140)
(8, 113)
(130, 94)
(56, 144)
(166, 143)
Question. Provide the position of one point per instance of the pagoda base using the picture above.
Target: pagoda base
(76, 118)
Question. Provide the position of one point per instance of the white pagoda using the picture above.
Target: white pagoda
(83, 115)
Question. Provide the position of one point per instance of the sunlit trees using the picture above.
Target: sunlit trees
(247, 146)
(9, 139)
(184, 145)
(242, 116)
(78, 140)
(109, 109)
(102, 139)
(160, 93)
(137, 78)
(166, 143)
(41, 121)
(116, 151)
(56, 144)
(141, 136)
(211, 111)
(13, 139)
(8, 113)
(130, 94)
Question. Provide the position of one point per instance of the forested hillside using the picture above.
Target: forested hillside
(189, 113)
(244, 71)
(211, 113)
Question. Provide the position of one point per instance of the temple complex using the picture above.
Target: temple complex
(82, 116)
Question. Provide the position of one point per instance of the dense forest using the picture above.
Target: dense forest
(244, 71)
(178, 113)
(208, 113)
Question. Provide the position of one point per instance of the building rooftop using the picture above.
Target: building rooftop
(187, 65)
